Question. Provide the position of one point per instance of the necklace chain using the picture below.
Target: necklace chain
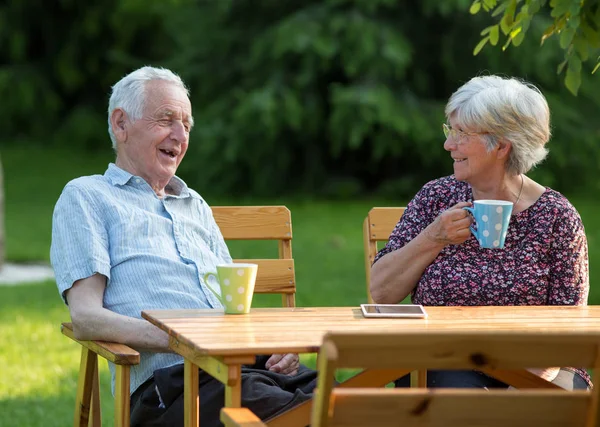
(520, 191)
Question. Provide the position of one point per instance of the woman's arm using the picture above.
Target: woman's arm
(396, 274)
(569, 280)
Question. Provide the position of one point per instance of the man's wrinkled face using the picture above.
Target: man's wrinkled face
(155, 144)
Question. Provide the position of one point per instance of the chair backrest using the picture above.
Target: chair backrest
(377, 227)
(275, 276)
(455, 407)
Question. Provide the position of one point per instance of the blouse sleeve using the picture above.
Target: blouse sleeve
(419, 213)
(569, 269)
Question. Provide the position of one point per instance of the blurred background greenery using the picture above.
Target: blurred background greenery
(335, 98)
(327, 106)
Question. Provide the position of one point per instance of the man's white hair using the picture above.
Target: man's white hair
(129, 93)
(507, 108)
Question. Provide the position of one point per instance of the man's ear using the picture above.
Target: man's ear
(118, 123)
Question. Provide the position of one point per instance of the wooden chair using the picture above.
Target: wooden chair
(349, 407)
(377, 227)
(275, 276)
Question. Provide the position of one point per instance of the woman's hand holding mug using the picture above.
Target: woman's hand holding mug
(451, 227)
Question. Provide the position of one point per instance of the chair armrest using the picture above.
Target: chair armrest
(119, 354)
(240, 417)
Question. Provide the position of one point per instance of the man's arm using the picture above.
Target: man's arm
(91, 321)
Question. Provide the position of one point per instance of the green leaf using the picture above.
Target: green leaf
(561, 66)
(566, 36)
(509, 15)
(547, 33)
(480, 45)
(581, 46)
(559, 7)
(575, 63)
(475, 7)
(494, 34)
(499, 9)
(504, 26)
(592, 36)
(517, 36)
(489, 4)
(534, 6)
(573, 81)
(487, 30)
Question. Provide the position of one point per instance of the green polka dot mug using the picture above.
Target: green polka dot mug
(491, 218)
(236, 282)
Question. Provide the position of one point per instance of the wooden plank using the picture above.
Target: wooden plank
(458, 408)
(519, 378)
(326, 364)
(285, 252)
(273, 275)
(593, 415)
(85, 382)
(464, 349)
(301, 329)
(370, 249)
(382, 222)
(217, 367)
(191, 404)
(374, 378)
(253, 222)
(233, 388)
(298, 415)
(122, 396)
(119, 354)
(418, 378)
(240, 417)
(95, 408)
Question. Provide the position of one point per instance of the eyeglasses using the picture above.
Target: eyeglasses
(458, 135)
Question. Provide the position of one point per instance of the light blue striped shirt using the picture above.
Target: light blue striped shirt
(152, 251)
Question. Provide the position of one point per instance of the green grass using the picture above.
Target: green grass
(39, 365)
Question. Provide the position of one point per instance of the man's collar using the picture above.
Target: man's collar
(118, 176)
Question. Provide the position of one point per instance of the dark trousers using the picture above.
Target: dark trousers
(265, 393)
(475, 379)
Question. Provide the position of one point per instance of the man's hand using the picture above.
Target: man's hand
(451, 227)
(283, 363)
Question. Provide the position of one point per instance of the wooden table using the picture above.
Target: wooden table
(220, 344)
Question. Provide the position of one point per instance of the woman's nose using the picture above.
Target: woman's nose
(449, 144)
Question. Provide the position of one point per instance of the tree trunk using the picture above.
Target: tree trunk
(2, 251)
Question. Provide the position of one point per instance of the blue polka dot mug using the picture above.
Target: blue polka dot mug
(491, 218)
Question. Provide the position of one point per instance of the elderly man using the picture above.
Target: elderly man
(138, 238)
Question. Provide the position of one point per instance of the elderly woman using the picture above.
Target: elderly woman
(496, 132)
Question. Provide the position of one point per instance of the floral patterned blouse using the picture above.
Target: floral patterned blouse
(544, 260)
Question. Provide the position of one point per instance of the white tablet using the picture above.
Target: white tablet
(394, 310)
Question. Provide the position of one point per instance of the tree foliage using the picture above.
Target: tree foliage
(575, 22)
(321, 97)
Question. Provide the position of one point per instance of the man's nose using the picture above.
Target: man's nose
(178, 131)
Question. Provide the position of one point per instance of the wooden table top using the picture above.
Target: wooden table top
(301, 329)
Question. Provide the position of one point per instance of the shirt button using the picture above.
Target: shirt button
(137, 180)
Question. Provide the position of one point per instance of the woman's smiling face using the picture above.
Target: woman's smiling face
(468, 149)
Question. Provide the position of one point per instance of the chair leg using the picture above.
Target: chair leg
(418, 378)
(122, 396)
(95, 409)
(87, 367)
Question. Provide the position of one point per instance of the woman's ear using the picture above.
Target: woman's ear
(118, 124)
(504, 148)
